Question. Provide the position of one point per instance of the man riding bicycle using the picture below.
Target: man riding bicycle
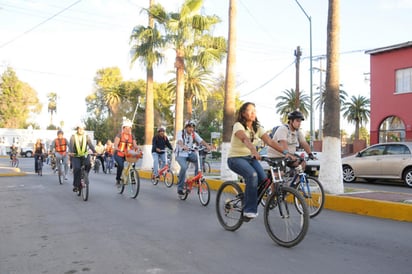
(78, 148)
(60, 147)
(289, 137)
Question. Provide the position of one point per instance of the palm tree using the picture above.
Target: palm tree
(181, 30)
(357, 112)
(197, 85)
(146, 42)
(320, 101)
(331, 172)
(52, 106)
(229, 100)
(287, 103)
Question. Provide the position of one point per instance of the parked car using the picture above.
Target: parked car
(381, 161)
(26, 151)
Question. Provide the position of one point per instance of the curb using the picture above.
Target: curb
(343, 203)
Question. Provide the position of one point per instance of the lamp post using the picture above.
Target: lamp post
(312, 133)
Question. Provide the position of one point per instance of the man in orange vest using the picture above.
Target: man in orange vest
(123, 142)
(60, 147)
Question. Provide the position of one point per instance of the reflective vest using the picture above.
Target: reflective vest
(80, 148)
(125, 144)
(60, 145)
(109, 150)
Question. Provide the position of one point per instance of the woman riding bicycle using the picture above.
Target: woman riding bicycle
(79, 144)
(243, 156)
(39, 152)
(159, 144)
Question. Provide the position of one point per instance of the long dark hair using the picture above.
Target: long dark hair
(242, 120)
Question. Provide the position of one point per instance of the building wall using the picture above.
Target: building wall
(384, 101)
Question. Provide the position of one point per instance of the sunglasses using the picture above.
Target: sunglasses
(252, 136)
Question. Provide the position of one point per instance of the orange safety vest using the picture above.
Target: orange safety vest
(125, 144)
(60, 145)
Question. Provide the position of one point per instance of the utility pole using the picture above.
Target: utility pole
(298, 53)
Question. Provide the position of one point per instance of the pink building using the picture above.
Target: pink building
(391, 93)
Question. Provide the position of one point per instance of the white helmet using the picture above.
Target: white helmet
(127, 123)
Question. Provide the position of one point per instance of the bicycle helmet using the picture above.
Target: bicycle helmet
(296, 115)
(59, 132)
(127, 123)
(190, 123)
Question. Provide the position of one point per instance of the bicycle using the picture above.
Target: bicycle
(39, 161)
(165, 173)
(60, 172)
(83, 190)
(203, 190)
(286, 215)
(14, 161)
(309, 187)
(205, 164)
(130, 176)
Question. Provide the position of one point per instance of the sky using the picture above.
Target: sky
(58, 46)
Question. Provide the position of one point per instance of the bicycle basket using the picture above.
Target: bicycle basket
(132, 156)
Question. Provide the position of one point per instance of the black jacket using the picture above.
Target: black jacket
(160, 143)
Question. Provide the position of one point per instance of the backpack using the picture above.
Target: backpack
(272, 133)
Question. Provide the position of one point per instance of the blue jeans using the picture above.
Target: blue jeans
(120, 165)
(156, 156)
(253, 173)
(183, 163)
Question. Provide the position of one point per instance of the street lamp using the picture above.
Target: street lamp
(312, 133)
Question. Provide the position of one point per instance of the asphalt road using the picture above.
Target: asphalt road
(46, 228)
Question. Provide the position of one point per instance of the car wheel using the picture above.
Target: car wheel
(407, 177)
(348, 174)
(29, 154)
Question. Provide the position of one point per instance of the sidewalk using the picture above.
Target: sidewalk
(388, 205)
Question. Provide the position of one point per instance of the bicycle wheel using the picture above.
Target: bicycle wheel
(40, 167)
(120, 188)
(134, 183)
(206, 167)
(169, 178)
(60, 173)
(85, 186)
(229, 205)
(203, 191)
(286, 223)
(312, 192)
(155, 180)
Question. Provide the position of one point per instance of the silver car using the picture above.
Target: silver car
(383, 161)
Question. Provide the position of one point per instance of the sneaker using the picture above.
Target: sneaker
(75, 189)
(117, 183)
(180, 192)
(65, 177)
(250, 215)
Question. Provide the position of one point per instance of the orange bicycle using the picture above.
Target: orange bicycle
(165, 173)
(203, 190)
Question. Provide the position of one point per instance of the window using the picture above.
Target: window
(403, 80)
(397, 149)
(392, 129)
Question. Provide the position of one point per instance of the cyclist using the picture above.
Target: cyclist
(185, 141)
(60, 146)
(78, 148)
(243, 156)
(123, 142)
(13, 151)
(159, 144)
(100, 154)
(108, 153)
(289, 137)
(39, 152)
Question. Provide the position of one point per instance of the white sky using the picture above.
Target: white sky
(62, 53)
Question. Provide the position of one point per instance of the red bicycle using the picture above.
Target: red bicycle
(203, 190)
(165, 173)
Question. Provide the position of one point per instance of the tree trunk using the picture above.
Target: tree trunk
(229, 104)
(147, 160)
(331, 164)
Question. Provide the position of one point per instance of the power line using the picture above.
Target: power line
(38, 25)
